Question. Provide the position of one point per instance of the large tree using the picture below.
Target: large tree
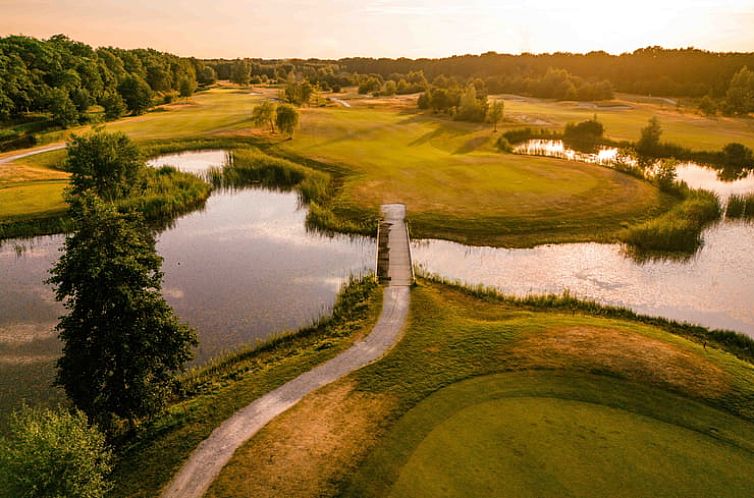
(740, 96)
(496, 113)
(240, 72)
(264, 114)
(122, 342)
(107, 163)
(649, 142)
(136, 93)
(287, 119)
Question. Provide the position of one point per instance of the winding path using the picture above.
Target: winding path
(207, 460)
(27, 153)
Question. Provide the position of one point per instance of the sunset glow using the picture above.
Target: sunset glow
(390, 28)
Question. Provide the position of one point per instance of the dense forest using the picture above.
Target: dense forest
(722, 78)
(653, 70)
(65, 78)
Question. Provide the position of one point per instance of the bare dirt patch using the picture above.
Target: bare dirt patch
(307, 449)
(626, 353)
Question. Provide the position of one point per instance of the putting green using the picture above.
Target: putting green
(457, 186)
(550, 435)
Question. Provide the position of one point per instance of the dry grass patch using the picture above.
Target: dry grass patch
(627, 353)
(307, 449)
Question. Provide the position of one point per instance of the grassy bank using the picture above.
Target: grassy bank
(451, 410)
(316, 188)
(212, 393)
(680, 229)
(627, 116)
(167, 193)
(450, 175)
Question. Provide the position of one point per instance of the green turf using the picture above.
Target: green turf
(32, 199)
(685, 127)
(456, 186)
(485, 437)
(622, 373)
(147, 461)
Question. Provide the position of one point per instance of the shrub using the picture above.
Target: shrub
(737, 155)
(504, 145)
(586, 132)
(53, 453)
(520, 135)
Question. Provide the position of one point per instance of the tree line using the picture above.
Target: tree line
(65, 78)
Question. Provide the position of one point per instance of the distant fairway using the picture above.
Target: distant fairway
(457, 186)
(686, 127)
(455, 183)
(27, 189)
(554, 446)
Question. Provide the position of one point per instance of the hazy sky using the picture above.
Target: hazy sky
(390, 28)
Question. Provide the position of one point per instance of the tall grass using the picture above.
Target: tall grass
(315, 188)
(680, 229)
(346, 316)
(740, 206)
(740, 345)
(34, 227)
(168, 193)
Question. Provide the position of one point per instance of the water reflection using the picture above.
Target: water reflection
(713, 287)
(721, 181)
(240, 270)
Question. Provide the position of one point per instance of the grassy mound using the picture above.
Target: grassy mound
(476, 361)
(457, 186)
(541, 434)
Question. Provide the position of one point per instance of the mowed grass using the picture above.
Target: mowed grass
(32, 199)
(147, 460)
(686, 127)
(457, 186)
(485, 396)
(568, 437)
(27, 191)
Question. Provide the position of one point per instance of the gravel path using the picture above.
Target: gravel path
(207, 460)
(46, 148)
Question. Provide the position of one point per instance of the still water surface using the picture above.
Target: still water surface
(715, 287)
(245, 268)
(240, 270)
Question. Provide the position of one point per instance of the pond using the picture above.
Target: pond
(242, 269)
(715, 287)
